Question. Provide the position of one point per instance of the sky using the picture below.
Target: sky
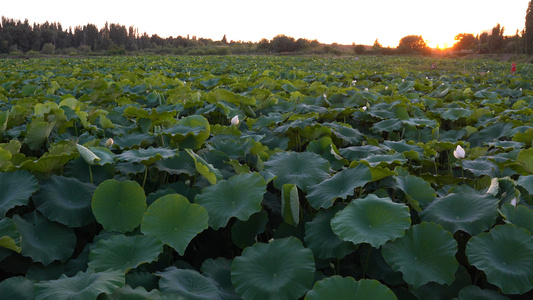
(333, 21)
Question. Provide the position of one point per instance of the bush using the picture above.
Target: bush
(359, 49)
(48, 48)
(84, 49)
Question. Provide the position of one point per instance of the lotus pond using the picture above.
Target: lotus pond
(265, 178)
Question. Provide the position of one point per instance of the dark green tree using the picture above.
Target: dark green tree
(283, 43)
(528, 30)
(465, 41)
(413, 44)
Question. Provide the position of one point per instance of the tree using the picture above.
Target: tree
(528, 30)
(465, 41)
(496, 38)
(283, 43)
(359, 49)
(224, 40)
(413, 44)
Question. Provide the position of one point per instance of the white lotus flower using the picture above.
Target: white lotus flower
(235, 120)
(366, 89)
(403, 80)
(513, 202)
(459, 152)
(387, 87)
(520, 89)
(109, 142)
(364, 108)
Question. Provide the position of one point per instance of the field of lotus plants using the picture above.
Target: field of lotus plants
(265, 177)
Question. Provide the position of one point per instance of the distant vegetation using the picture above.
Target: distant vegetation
(20, 37)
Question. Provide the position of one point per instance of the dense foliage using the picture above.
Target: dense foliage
(265, 178)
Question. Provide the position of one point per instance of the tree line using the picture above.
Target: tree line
(18, 36)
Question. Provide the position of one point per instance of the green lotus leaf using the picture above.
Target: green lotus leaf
(341, 185)
(385, 159)
(194, 141)
(473, 292)
(455, 113)
(5, 159)
(65, 200)
(345, 133)
(4, 116)
(19, 288)
(124, 253)
(337, 287)
(210, 83)
(418, 192)
(521, 216)
(219, 270)
(204, 168)
(240, 197)
(84, 285)
(9, 235)
(388, 125)
(424, 254)
(15, 189)
(119, 205)
(174, 221)
(38, 134)
(302, 169)
(281, 269)
(412, 150)
(321, 239)
(526, 182)
(371, 220)
(188, 284)
(505, 254)
(290, 204)
(133, 140)
(127, 292)
(43, 240)
(480, 167)
(525, 159)
(105, 155)
(181, 164)
(244, 233)
(146, 156)
(325, 148)
(467, 211)
(87, 154)
(48, 162)
(358, 152)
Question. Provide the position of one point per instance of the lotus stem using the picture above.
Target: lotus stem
(367, 260)
(145, 175)
(90, 173)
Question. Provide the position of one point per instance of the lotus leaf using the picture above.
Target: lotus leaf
(146, 156)
(123, 253)
(371, 220)
(341, 185)
(188, 284)
(15, 189)
(65, 200)
(19, 288)
(469, 211)
(174, 221)
(505, 254)
(36, 238)
(426, 253)
(337, 287)
(281, 269)
(38, 134)
(244, 233)
(119, 205)
(240, 197)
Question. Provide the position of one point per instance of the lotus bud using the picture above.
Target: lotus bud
(109, 142)
(513, 202)
(235, 120)
(459, 152)
(364, 108)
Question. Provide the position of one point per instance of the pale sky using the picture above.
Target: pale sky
(343, 22)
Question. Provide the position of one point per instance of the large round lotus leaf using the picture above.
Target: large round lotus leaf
(188, 284)
(183, 163)
(15, 189)
(48, 162)
(105, 155)
(425, 253)
(196, 140)
(302, 169)
(84, 286)
(129, 293)
(337, 287)
(38, 134)
(174, 221)
(123, 253)
(244, 233)
(319, 236)
(65, 200)
(240, 197)
(133, 140)
(282, 269)
(505, 254)
(480, 167)
(119, 205)
(521, 216)
(19, 288)
(43, 240)
(371, 220)
(341, 185)
(417, 191)
(473, 292)
(146, 156)
(468, 211)
(219, 270)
